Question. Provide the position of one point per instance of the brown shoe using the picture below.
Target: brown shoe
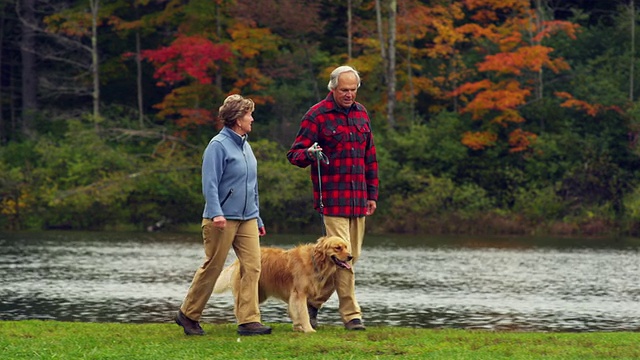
(253, 328)
(313, 316)
(190, 327)
(354, 324)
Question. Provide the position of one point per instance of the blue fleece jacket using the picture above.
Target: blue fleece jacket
(230, 178)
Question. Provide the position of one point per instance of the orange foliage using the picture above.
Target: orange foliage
(503, 97)
(530, 58)
(571, 102)
(553, 27)
(520, 140)
(186, 105)
(479, 140)
(509, 34)
(590, 109)
(473, 87)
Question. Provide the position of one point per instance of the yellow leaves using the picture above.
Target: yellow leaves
(249, 42)
(438, 20)
(11, 206)
(73, 24)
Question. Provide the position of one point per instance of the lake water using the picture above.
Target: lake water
(499, 283)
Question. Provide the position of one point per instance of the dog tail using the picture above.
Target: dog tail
(225, 279)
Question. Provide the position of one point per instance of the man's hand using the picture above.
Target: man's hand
(313, 150)
(371, 207)
(262, 231)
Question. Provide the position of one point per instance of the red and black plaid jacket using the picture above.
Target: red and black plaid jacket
(351, 177)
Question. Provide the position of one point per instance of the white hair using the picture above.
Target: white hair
(335, 74)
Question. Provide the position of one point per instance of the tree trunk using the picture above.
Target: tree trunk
(632, 12)
(3, 136)
(29, 75)
(383, 53)
(349, 31)
(391, 66)
(383, 48)
(539, 87)
(95, 5)
(539, 19)
(139, 82)
(219, 34)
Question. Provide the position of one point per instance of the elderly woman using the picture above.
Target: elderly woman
(231, 218)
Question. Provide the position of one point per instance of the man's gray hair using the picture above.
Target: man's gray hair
(335, 74)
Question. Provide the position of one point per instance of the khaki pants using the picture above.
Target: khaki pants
(352, 230)
(243, 236)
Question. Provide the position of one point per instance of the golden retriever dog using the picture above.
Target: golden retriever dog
(293, 275)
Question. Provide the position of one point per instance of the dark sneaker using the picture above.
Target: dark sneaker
(253, 328)
(354, 324)
(190, 327)
(313, 316)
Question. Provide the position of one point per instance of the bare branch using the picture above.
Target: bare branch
(102, 184)
(151, 134)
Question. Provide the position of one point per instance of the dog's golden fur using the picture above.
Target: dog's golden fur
(294, 275)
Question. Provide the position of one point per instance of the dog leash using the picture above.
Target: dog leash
(320, 156)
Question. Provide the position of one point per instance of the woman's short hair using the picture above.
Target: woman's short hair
(335, 74)
(233, 108)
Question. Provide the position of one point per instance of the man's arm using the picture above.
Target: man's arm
(299, 154)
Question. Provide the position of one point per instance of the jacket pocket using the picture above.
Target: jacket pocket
(226, 197)
(364, 131)
(333, 135)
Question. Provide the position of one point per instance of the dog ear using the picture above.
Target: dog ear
(321, 248)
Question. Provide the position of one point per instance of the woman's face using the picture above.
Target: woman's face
(244, 123)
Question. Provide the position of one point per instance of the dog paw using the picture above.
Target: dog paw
(303, 329)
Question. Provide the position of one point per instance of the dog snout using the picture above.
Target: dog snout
(349, 258)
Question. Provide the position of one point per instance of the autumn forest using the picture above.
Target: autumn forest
(489, 116)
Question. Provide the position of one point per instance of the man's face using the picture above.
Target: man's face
(345, 93)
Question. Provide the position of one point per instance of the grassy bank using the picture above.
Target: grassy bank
(35, 339)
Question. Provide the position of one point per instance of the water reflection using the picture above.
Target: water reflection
(483, 283)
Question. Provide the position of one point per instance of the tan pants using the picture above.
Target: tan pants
(352, 230)
(243, 236)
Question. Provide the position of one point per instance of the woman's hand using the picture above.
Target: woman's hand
(220, 222)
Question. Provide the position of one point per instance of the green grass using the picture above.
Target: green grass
(34, 339)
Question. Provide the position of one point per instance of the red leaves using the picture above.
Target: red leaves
(187, 56)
